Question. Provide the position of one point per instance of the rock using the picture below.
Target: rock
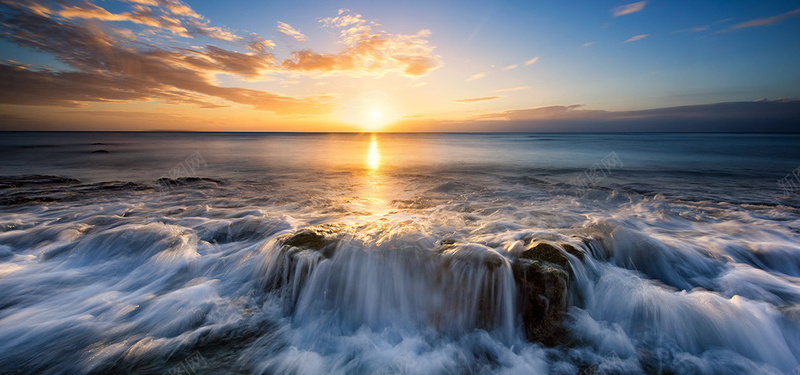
(552, 254)
(320, 238)
(300, 252)
(542, 274)
(578, 253)
(547, 253)
(100, 151)
(542, 299)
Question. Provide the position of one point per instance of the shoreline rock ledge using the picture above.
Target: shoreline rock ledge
(541, 273)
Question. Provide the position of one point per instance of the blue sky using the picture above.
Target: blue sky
(475, 52)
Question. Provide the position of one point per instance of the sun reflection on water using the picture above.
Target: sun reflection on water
(374, 156)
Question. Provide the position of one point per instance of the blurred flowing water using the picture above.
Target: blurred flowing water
(692, 250)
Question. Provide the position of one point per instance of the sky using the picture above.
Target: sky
(482, 66)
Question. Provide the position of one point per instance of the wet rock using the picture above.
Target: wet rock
(547, 253)
(301, 251)
(34, 180)
(553, 254)
(321, 238)
(542, 299)
(542, 274)
(578, 253)
(170, 182)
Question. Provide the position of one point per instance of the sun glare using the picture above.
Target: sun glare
(372, 111)
(374, 119)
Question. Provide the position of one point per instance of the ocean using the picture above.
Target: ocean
(297, 253)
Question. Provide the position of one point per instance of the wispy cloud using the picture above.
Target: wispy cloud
(636, 37)
(173, 16)
(512, 89)
(587, 44)
(532, 61)
(696, 29)
(510, 67)
(476, 100)
(629, 8)
(476, 76)
(108, 64)
(368, 50)
(767, 21)
(286, 29)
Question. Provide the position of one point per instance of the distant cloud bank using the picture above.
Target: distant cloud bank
(754, 116)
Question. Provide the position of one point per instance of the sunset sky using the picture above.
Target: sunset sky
(400, 66)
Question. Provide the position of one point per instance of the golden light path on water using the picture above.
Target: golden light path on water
(374, 156)
(373, 196)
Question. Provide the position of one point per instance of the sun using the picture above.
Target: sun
(372, 111)
(374, 118)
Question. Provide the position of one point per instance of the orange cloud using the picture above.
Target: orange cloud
(476, 76)
(368, 51)
(513, 89)
(286, 29)
(476, 100)
(629, 8)
(172, 16)
(768, 21)
(532, 61)
(110, 69)
(636, 37)
(111, 65)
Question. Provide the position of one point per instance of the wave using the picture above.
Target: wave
(123, 277)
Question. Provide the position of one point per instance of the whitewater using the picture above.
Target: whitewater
(213, 253)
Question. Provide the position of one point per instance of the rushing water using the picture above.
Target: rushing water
(692, 250)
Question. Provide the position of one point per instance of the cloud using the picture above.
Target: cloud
(108, 64)
(476, 76)
(476, 100)
(696, 29)
(733, 116)
(173, 16)
(636, 37)
(110, 69)
(286, 29)
(513, 89)
(587, 44)
(767, 21)
(368, 51)
(532, 61)
(752, 116)
(629, 8)
(510, 67)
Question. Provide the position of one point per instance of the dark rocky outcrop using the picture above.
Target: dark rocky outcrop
(542, 274)
(321, 238)
(309, 245)
(34, 180)
(186, 181)
(100, 151)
